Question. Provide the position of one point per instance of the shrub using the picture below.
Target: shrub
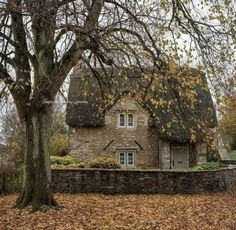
(212, 154)
(58, 144)
(104, 163)
(208, 166)
(80, 165)
(76, 165)
(66, 160)
(10, 179)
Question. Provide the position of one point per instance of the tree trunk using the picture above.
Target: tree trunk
(36, 188)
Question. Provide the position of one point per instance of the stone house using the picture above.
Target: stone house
(144, 119)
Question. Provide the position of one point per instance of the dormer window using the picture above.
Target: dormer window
(130, 123)
(126, 120)
(122, 120)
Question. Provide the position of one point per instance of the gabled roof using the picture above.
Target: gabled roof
(179, 103)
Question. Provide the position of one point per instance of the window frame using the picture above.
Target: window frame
(126, 158)
(126, 120)
(120, 126)
(119, 157)
(129, 126)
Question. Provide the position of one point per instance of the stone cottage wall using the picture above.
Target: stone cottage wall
(141, 181)
(164, 154)
(193, 158)
(201, 150)
(89, 143)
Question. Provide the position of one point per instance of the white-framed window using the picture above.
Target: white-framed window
(122, 159)
(126, 158)
(122, 120)
(130, 120)
(125, 120)
(130, 159)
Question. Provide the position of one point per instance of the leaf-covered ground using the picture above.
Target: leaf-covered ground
(211, 211)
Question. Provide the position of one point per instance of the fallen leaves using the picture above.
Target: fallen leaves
(94, 211)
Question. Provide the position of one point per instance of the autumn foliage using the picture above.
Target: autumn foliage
(211, 211)
(228, 119)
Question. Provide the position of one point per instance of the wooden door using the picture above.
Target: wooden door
(180, 158)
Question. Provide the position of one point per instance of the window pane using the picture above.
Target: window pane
(130, 160)
(122, 120)
(130, 120)
(122, 158)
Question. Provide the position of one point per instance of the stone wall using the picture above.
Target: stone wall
(229, 162)
(164, 154)
(89, 143)
(201, 149)
(141, 181)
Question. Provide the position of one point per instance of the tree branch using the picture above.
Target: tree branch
(8, 60)
(91, 21)
(139, 37)
(6, 78)
(21, 57)
(158, 52)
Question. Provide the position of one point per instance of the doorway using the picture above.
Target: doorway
(180, 158)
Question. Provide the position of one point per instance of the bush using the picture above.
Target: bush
(104, 163)
(212, 154)
(208, 166)
(58, 144)
(10, 179)
(66, 160)
(76, 165)
(80, 165)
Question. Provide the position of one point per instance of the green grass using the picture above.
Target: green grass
(232, 155)
(208, 166)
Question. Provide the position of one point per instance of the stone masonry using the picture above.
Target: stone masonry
(90, 142)
(87, 143)
(141, 181)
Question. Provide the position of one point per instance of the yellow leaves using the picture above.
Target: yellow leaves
(146, 77)
(228, 118)
(125, 77)
(193, 137)
(172, 67)
(160, 102)
(102, 212)
(15, 147)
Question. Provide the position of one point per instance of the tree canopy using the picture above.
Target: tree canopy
(228, 120)
(41, 41)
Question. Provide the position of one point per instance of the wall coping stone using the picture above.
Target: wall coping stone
(145, 170)
(229, 161)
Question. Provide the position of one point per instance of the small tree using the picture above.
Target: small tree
(12, 132)
(228, 120)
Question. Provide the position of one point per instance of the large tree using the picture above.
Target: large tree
(42, 40)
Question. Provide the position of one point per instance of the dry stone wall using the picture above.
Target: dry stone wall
(141, 181)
